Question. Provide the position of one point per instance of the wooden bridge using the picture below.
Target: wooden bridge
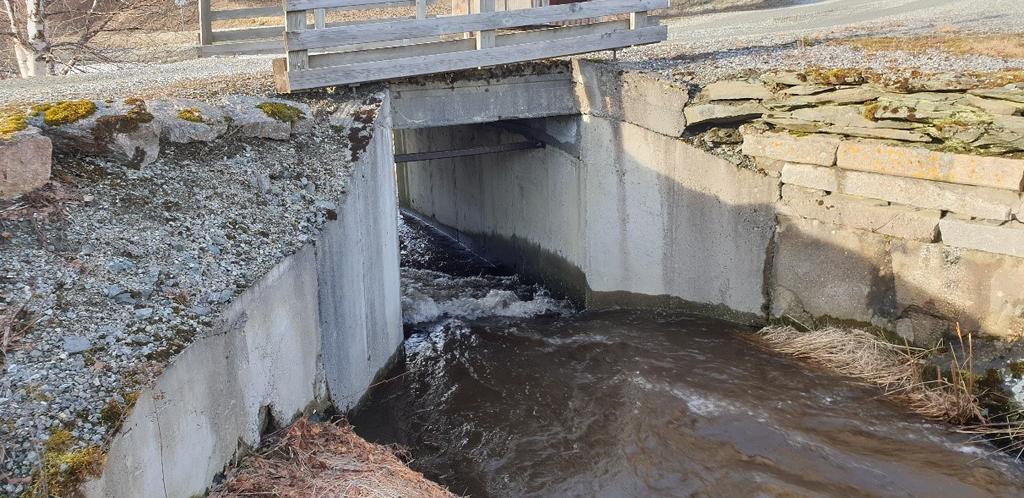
(321, 54)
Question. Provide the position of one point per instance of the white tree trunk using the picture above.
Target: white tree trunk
(35, 58)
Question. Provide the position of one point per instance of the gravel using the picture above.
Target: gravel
(131, 265)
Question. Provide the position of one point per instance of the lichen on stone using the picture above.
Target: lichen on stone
(11, 124)
(192, 115)
(64, 467)
(65, 111)
(281, 112)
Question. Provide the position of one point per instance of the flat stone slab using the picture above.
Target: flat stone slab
(871, 215)
(981, 202)
(734, 90)
(251, 121)
(187, 120)
(911, 162)
(813, 149)
(25, 162)
(1000, 238)
(810, 176)
(123, 131)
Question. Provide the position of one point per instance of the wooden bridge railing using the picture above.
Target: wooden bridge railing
(268, 39)
(393, 48)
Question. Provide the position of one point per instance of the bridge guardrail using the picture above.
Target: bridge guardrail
(394, 48)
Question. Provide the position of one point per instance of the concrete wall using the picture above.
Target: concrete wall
(315, 330)
(619, 210)
(638, 214)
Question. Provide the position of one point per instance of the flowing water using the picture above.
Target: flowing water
(503, 390)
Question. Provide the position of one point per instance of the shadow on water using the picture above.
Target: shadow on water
(547, 402)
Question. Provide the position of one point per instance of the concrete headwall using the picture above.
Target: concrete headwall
(314, 331)
(637, 215)
(817, 228)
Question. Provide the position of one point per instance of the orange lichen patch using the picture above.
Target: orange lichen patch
(325, 460)
(1004, 46)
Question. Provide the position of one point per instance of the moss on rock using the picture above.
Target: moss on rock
(281, 112)
(64, 467)
(65, 111)
(11, 124)
(192, 115)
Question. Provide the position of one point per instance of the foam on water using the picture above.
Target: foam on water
(428, 296)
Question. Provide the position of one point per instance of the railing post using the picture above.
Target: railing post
(637, 20)
(421, 9)
(484, 39)
(295, 21)
(205, 23)
(319, 18)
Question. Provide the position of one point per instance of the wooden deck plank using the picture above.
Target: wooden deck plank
(429, 64)
(416, 28)
(293, 5)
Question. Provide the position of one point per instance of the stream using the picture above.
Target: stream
(502, 390)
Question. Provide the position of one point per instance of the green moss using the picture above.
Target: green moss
(192, 115)
(67, 111)
(11, 124)
(281, 112)
(114, 412)
(64, 467)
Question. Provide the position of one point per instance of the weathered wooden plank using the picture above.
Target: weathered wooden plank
(429, 64)
(471, 151)
(484, 39)
(415, 28)
(205, 23)
(296, 22)
(271, 46)
(264, 32)
(293, 5)
(393, 50)
(251, 13)
(423, 47)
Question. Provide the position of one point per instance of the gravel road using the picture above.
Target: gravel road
(726, 41)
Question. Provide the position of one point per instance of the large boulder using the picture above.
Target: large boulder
(24, 161)
(122, 130)
(187, 120)
(276, 119)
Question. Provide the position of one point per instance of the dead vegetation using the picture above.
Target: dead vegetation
(1002, 46)
(979, 405)
(896, 369)
(325, 460)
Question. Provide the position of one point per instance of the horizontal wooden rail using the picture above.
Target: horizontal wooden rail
(446, 47)
(294, 5)
(294, 79)
(416, 28)
(251, 13)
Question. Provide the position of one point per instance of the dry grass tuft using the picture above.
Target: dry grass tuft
(1003, 46)
(326, 460)
(896, 369)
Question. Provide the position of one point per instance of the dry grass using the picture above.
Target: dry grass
(1003, 46)
(896, 369)
(326, 460)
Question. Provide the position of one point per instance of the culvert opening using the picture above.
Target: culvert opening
(506, 388)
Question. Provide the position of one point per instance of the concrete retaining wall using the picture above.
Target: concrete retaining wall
(638, 214)
(830, 229)
(315, 330)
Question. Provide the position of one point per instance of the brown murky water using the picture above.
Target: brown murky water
(638, 404)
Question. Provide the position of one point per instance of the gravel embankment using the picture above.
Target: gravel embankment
(118, 269)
